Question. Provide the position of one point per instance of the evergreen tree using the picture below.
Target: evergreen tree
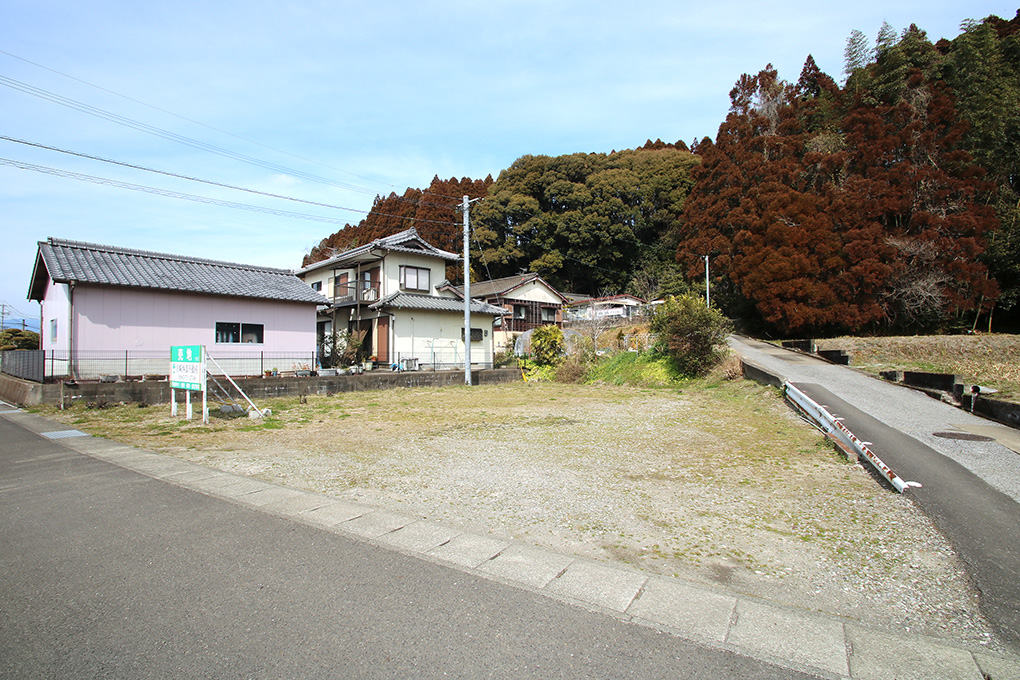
(583, 221)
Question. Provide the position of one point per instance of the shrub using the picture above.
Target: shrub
(15, 338)
(573, 370)
(341, 347)
(691, 334)
(547, 345)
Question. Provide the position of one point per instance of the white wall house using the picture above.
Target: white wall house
(528, 300)
(621, 307)
(387, 290)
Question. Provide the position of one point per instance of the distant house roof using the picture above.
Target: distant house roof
(433, 303)
(501, 287)
(89, 263)
(623, 299)
(407, 241)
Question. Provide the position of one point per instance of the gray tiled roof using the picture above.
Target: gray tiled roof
(502, 286)
(407, 241)
(89, 263)
(433, 303)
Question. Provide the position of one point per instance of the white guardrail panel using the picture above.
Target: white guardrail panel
(832, 426)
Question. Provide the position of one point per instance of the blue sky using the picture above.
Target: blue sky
(371, 98)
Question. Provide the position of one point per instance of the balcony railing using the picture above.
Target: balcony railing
(355, 293)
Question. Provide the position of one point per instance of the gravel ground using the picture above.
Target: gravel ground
(720, 485)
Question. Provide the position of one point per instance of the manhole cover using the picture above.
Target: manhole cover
(965, 436)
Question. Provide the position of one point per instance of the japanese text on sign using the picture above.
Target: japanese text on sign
(187, 367)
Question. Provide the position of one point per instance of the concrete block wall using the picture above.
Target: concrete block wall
(25, 393)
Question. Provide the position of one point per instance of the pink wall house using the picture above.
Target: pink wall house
(100, 299)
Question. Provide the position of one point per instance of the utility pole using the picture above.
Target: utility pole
(467, 292)
(708, 302)
(466, 207)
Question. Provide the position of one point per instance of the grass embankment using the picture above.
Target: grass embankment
(990, 360)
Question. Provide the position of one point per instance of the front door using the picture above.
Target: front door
(382, 345)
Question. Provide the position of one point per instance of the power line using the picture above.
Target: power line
(11, 307)
(191, 197)
(187, 197)
(171, 136)
(196, 179)
(85, 108)
(191, 120)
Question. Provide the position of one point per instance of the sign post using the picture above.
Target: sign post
(188, 373)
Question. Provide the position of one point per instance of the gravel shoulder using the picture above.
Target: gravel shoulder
(718, 483)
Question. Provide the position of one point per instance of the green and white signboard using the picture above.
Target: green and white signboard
(187, 372)
(187, 367)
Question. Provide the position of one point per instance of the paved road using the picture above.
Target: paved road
(970, 488)
(109, 573)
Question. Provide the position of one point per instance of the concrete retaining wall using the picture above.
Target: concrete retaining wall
(945, 382)
(22, 392)
(760, 375)
(836, 356)
(1004, 412)
(802, 345)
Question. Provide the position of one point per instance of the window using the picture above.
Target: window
(53, 330)
(317, 286)
(476, 334)
(370, 285)
(548, 314)
(520, 311)
(252, 333)
(415, 278)
(228, 332)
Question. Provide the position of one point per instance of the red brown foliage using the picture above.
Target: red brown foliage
(433, 212)
(832, 215)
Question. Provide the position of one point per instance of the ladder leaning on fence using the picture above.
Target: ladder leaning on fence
(253, 412)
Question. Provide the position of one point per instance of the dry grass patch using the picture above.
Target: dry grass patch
(992, 360)
(717, 482)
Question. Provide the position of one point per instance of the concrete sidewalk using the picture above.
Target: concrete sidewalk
(798, 639)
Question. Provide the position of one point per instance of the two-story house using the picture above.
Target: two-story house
(386, 291)
(528, 300)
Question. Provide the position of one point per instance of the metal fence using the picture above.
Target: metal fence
(26, 364)
(439, 360)
(112, 365)
(43, 365)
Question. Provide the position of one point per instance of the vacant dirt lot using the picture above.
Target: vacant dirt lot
(718, 482)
